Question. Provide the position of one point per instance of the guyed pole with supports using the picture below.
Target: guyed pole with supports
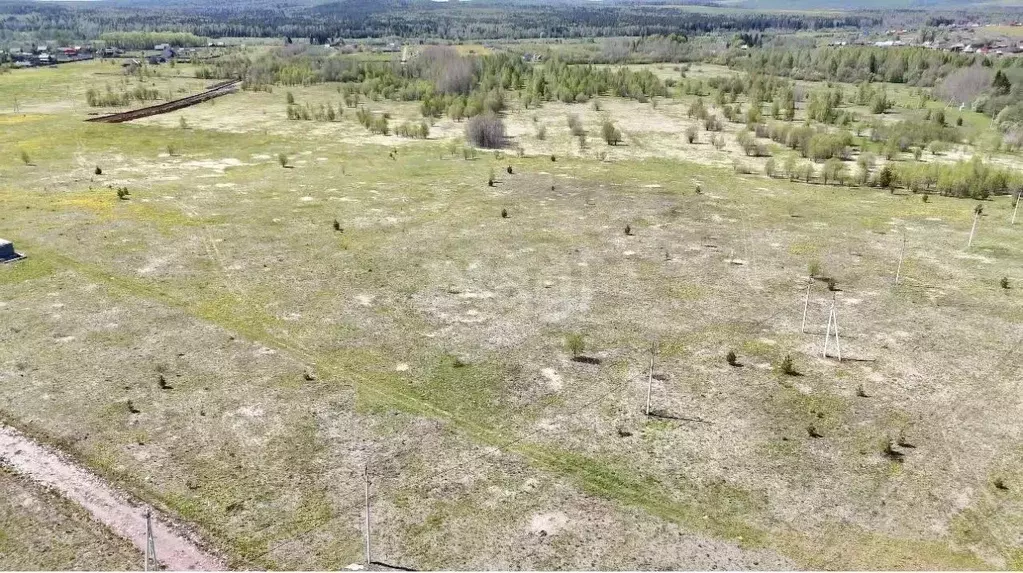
(832, 319)
(806, 303)
(151, 563)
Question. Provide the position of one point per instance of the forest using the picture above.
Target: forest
(28, 21)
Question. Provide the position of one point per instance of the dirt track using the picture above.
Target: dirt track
(174, 549)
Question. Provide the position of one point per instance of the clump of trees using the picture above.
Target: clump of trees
(322, 112)
(748, 142)
(413, 130)
(973, 179)
(853, 64)
(109, 98)
(376, 123)
(146, 40)
(445, 82)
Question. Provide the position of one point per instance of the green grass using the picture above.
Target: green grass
(239, 285)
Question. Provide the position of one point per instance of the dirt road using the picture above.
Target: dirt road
(175, 549)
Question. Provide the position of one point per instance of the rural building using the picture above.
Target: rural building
(7, 253)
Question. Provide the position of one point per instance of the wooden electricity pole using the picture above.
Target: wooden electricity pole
(976, 215)
(151, 562)
(1016, 208)
(650, 377)
(898, 271)
(365, 475)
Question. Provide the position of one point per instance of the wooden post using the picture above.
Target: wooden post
(365, 475)
(650, 378)
(806, 304)
(902, 254)
(151, 562)
(1016, 208)
(976, 215)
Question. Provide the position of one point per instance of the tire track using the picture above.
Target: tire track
(176, 548)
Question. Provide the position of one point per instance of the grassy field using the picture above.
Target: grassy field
(41, 531)
(214, 345)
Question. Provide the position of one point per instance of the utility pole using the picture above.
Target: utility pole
(976, 215)
(365, 475)
(898, 271)
(151, 562)
(650, 378)
(1016, 208)
(806, 303)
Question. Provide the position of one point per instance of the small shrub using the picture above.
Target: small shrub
(575, 343)
(926, 198)
(815, 269)
(698, 190)
(1004, 283)
(575, 125)
(731, 358)
(25, 158)
(282, 159)
(337, 226)
(959, 121)
(122, 193)
(509, 170)
(183, 122)
(611, 133)
(885, 177)
(553, 158)
(486, 131)
(628, 230)
(832, 285)
(787, 367)
(504, 213)
(690, 134)
(541, 132)
(171, 150)
(290, 98)
(98, 171)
